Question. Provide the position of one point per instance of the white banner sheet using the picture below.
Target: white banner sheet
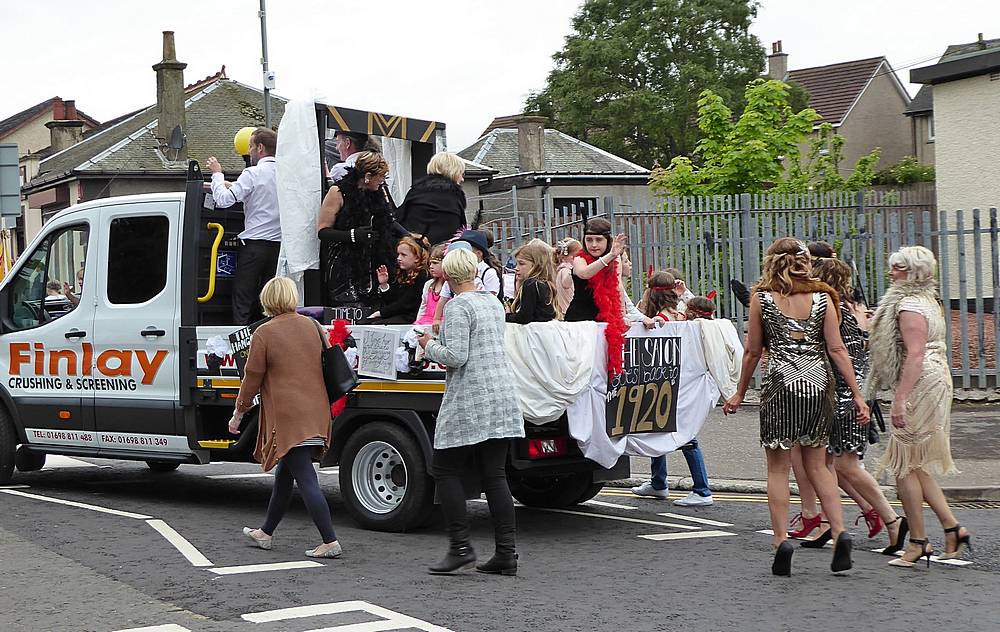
(666, 385)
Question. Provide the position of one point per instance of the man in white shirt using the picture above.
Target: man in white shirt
(260, 241)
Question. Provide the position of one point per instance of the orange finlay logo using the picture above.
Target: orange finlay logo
(67, 362)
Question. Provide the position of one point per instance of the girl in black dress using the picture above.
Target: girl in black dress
(534, 300)
(400, 300)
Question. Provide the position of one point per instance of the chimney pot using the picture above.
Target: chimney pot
(777, 62)
(169, 47)
(70, 106)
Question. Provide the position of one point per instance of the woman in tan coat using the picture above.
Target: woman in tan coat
(294, 424)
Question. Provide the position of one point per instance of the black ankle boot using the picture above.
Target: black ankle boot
(499, 564)
(458, 558)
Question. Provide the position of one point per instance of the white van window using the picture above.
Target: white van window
(137, 258)
(50, 282)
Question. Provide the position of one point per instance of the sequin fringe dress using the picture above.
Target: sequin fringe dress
(847, 435)
(796, 398)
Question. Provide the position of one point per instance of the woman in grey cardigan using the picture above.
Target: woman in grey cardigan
(478, 416)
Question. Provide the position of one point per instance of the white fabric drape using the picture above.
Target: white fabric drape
(697, 395)
(299, 189)
(552, 362)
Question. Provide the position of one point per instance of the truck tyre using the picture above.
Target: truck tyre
(384, 480)
(553, 491)
(27, 461)
(162, 466)
(8, 446)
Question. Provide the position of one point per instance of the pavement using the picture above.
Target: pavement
(735, 460)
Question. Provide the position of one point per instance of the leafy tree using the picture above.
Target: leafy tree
(760, 150)
(627, 76)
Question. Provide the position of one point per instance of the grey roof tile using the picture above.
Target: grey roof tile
(563, 153)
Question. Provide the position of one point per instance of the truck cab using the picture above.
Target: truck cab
(122, 369)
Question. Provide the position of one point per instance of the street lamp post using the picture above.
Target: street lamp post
(268, 77)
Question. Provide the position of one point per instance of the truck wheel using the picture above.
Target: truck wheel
(8, 446)
(553, 491)
(27, 461)
(384, 480)
(162, 466)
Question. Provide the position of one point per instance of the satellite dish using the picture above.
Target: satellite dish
(176, 139)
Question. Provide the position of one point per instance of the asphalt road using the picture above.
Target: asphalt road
(70, 567)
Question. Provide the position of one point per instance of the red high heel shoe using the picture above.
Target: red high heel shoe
(874, 522)
(807, 525)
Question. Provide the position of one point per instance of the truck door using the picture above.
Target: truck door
(48, 333)
(135, 332)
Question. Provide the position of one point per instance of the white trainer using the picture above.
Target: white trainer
(646, 489)
(694, 500)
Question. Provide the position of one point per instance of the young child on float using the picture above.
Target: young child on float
(565, 251)
(661, 298)
(400, 301)
(433, 286)
(597, 293)
(487, 277)
(534, 299)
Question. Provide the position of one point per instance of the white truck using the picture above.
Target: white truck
(123, 373)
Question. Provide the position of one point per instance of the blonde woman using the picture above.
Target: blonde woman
(294, 419)
(536, 287)
(435, 204)
(797, 318)
(477, 417)
(910, 357)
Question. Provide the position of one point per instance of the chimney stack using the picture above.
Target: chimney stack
(531, 142)
(777, 62)
(170, 96)
(67, 128)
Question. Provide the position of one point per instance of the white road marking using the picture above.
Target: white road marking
(170, 627)
(620, 518)
(712, 523)
(391, 620)
(14, 486)
(600, 503)
(261, 568)
(249, 475)
(57, 461)
(186, 549)
(686, 536)
(71, 503)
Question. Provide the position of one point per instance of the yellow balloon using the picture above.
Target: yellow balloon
(242, 141)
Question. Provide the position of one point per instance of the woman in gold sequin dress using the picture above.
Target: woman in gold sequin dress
(910, 357)
(796, 317)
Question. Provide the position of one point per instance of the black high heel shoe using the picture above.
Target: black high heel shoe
(819, 541)
(782, 565)
(925, 551)
(962, 544)
(904, 529)
(842, 553)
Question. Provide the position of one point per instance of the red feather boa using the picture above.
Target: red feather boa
(338, 335)
(608, 299)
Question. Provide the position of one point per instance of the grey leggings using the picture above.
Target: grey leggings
(297, 466)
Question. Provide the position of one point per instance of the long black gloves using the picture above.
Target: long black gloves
(362, 235)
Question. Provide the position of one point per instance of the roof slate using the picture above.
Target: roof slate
(498, 149)
(833, 89)
(213, 115)
(923, 102)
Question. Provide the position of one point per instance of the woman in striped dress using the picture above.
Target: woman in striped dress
(796, 317)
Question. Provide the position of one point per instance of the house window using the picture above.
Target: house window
(583, 206)
(930, 129)
(24, 175)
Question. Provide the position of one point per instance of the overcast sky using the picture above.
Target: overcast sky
(458, 61)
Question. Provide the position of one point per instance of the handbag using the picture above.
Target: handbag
(338, 376)
(876, 416)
